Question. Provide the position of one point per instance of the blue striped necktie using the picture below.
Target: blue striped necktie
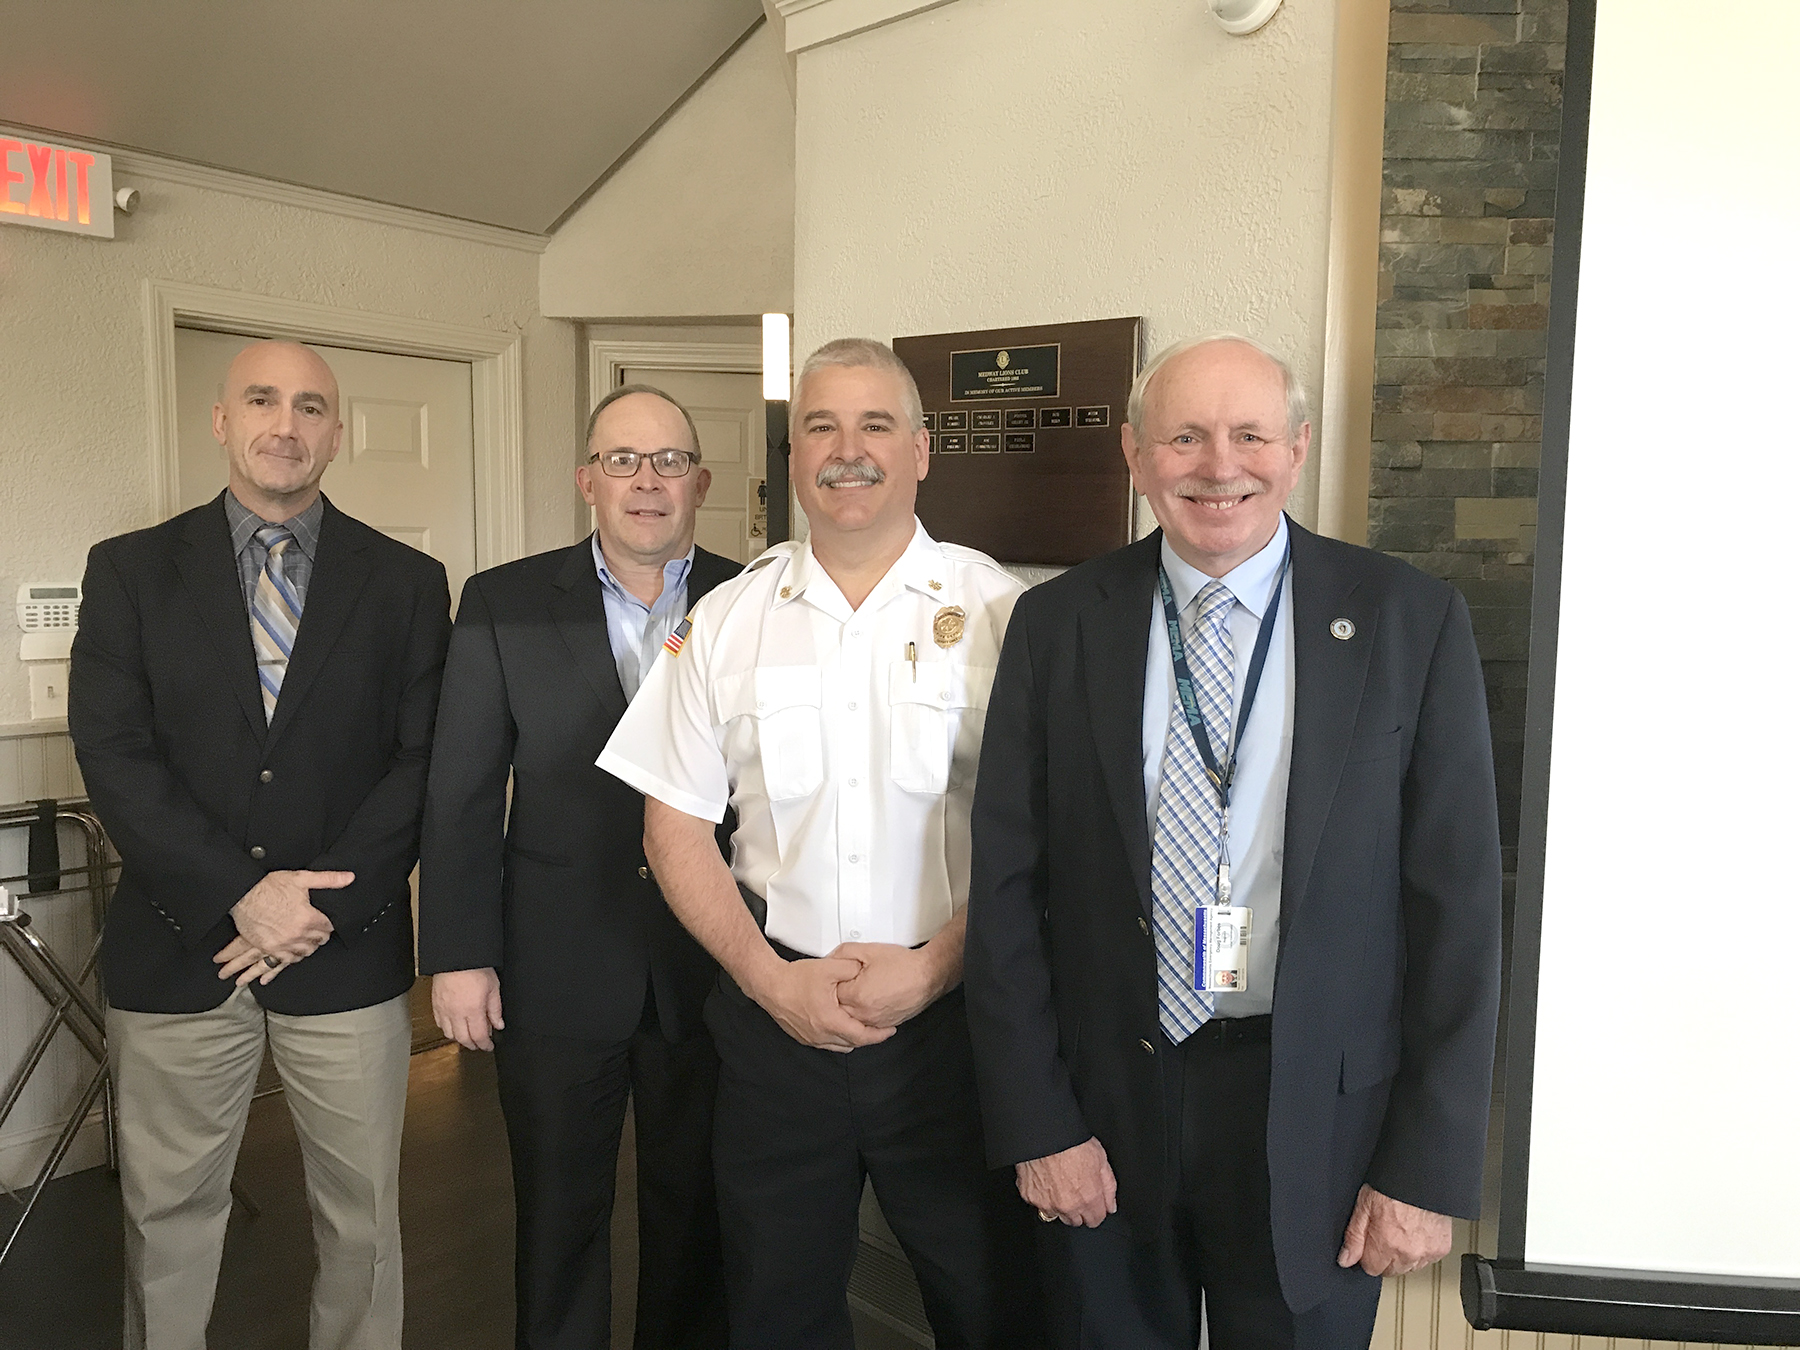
(274, 616)
(1184, 862)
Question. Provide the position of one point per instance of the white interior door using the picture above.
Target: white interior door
(728, 413)
(407, 466)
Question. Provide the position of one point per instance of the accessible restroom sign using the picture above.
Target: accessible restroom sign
(55, 187)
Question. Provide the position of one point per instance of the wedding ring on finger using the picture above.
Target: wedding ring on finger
(1046, 1216)
(272, 962)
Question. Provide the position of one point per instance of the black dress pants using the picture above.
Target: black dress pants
(1113, 1289)
(564, 1101)
(798, 1130)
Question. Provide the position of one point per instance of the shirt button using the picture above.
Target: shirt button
(266, 776)
(1146, 1047)
(853, 782)
(944, 694)
(760, 705)
(855, 858)
(257, 853)
(855, 933)
(644, 872)
(852, 707)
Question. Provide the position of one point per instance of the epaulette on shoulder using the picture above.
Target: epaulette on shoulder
(972, 557)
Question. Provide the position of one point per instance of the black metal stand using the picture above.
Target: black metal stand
(70, 1005)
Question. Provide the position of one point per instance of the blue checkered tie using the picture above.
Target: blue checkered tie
(274, 617)
(1184, 862)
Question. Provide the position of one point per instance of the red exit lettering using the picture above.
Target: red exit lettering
(50, 195)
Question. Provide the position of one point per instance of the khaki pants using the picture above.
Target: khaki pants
(184, 1083)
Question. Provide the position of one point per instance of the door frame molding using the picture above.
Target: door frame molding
(608, 358)
(496, 371)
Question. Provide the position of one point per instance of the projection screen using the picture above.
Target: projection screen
(1651, 1182)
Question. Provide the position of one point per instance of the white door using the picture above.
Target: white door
(407, 466)
(728, 413)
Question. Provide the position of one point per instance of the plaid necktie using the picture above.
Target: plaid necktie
(274, 616)
(1184, 862)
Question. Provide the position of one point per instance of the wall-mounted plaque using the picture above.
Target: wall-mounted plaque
(1046, 482)
(1005, 372)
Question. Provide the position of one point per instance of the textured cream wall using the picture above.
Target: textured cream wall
(999, 162)
(74, 425)
(700, 221)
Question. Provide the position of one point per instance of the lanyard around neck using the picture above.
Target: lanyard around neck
(1220, 769)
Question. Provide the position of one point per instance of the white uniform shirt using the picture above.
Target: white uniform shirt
(852, 775)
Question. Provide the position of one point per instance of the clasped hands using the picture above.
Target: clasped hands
(854, 996)
(277, 918)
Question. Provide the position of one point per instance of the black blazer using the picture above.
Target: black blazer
(201, 796)
(556, 896)
(1387, 986)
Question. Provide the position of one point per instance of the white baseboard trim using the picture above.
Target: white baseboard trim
(23, 1152)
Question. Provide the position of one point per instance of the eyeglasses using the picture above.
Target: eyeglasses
(624, 463)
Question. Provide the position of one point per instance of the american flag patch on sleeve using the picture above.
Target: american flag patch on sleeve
(677, 639)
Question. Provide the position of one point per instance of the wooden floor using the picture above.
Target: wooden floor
(60, 1289)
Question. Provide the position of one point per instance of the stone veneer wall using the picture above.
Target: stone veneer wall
(1474, 115)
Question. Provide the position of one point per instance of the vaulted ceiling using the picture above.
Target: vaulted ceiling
(501, 111)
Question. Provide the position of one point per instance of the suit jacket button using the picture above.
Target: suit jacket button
(1143, 927)
(1148, 1048)
(266, 776)
(644, 872)
(257, 853)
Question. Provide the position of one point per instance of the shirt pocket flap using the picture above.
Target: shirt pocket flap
(766, 690)
(940, 684)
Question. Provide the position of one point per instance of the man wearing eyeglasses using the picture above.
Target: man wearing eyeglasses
(545, 935)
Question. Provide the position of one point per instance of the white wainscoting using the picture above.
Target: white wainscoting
(38, 761)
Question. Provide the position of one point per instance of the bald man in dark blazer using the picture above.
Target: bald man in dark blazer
(1276, 1145)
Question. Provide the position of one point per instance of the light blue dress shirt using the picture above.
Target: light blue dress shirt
(637, 631)
(1259, 795)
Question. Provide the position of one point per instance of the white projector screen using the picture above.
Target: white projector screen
(1665, 1069)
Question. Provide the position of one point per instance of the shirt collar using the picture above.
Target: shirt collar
(675, 572)
(1251, 582)
(922, 567)
(245, 523)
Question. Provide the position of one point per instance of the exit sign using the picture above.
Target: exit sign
(55, 187)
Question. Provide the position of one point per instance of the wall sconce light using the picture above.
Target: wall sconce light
(1242, 16)
(777, 367)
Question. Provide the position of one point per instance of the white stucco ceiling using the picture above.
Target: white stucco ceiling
(502, 111)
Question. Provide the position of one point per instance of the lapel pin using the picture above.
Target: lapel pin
(1342, 629)
(935, 585)
(787, 592)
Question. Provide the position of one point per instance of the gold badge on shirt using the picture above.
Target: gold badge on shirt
(947, 626)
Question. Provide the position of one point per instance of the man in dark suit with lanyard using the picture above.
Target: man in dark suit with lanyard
(251, 696)
(1238, 737)
(546, 921)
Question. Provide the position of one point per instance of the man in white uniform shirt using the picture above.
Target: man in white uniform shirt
(834, 696)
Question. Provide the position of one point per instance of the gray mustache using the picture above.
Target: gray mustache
(859, 472)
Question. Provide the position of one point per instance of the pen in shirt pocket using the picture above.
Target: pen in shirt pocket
(912, 654)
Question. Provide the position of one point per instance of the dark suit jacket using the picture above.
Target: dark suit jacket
(1386, 991)
(188, 778)
(555, 895)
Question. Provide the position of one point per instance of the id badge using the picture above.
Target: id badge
(1222, 949)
